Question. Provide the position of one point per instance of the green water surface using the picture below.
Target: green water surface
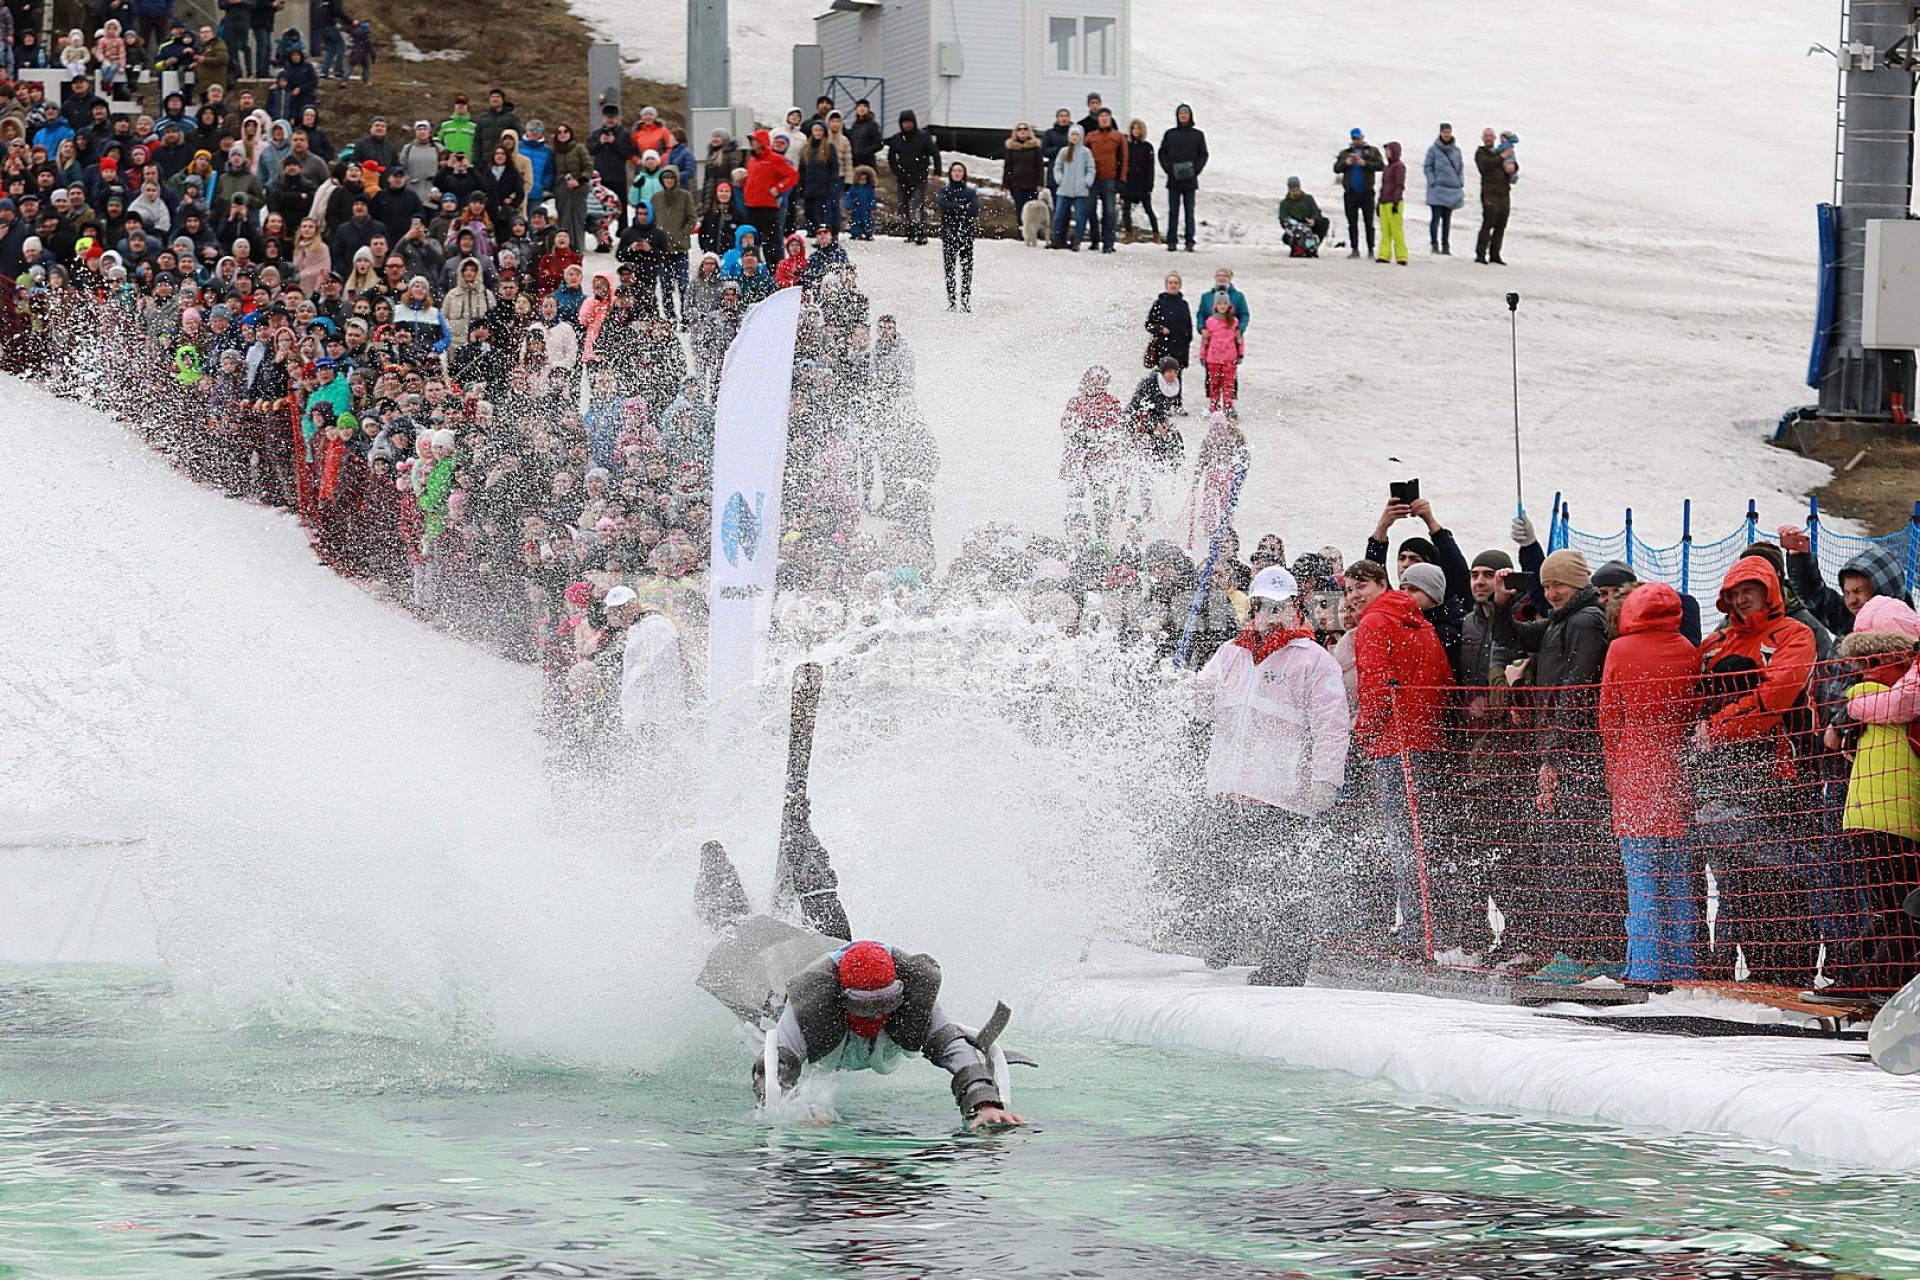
(134, 1143)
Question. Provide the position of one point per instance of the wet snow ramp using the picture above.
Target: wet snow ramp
(1815, 1098)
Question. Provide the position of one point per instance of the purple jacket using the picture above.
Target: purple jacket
(1393, 183)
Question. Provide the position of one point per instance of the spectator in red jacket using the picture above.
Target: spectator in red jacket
(1404, 677)
(1649, 698)
(768, 178)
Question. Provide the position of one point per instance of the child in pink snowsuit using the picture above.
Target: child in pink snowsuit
(1221, 349)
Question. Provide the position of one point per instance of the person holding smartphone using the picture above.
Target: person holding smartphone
(1439, 549)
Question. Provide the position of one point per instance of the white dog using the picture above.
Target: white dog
(1036, 220)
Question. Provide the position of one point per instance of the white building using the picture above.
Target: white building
(972, 69)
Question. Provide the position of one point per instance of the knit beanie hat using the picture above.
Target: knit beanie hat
(869, 987)
(1494, 559)
(1569, 568)
(1428, 579)
(1420, 547)
(1614, 573)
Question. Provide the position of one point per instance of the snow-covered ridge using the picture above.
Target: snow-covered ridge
(1811, 1098)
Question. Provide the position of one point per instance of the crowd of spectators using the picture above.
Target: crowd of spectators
(393, 330)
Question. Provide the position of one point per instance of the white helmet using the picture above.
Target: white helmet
(1273, 583)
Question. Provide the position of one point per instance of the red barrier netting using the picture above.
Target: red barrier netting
(1601, 831)
(215, 432)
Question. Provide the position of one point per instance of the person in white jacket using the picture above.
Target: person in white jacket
(1279, 751)
(653, 682)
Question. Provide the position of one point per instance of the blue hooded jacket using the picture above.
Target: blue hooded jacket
(730, 265)
(540, 156)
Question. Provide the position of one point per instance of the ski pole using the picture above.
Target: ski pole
(1513, 324)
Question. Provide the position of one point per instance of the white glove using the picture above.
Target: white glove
(1321, 796)
(1521, 531)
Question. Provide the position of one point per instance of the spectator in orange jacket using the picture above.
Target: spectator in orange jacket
(1757, 665)
(650, 135)
(1108, 147)
(1404, 677)
(768, 178)
(1649, 696)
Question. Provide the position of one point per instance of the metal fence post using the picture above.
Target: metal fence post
(1753, 521)
(1686, 545)
(1913, 545)
(1629, 537)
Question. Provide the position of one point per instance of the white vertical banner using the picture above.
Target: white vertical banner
(749, 463)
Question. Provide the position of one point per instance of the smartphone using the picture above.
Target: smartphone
(1522, 583)
(1407, 491)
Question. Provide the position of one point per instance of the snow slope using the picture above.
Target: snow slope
(1810, 1097)
(339, 812)
(1662, 243)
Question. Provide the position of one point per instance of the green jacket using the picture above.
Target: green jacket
(1883, 791)
(456, 134)
(336, 393)
(675, 213)
(230, 184)
(1303, 207)
(433, 498)
(574, 159)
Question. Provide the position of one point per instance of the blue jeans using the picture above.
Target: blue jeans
(1064, 205)
(333, 52)
(1663, 917)
(1176, 201)
(1106, 194)
(673, 277)
(263, 52)
(1390, 784)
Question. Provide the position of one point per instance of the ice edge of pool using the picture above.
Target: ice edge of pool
(1811, 1098)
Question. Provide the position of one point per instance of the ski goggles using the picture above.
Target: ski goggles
(876, 1003)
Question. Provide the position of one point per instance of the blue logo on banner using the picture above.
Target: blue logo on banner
(740, 527)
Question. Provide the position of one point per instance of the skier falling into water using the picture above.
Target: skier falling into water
(832, 1002)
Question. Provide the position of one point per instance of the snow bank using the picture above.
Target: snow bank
(1807, 1096)
(1626, 398)
(342, 815)
(1666, 264)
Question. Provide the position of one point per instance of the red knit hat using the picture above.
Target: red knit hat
(869, 989)
(866, 966)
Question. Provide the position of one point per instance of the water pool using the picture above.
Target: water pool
(133, 1143)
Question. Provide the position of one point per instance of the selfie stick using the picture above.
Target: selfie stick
(1513, 316)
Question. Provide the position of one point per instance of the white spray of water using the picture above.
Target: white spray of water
(351, 824)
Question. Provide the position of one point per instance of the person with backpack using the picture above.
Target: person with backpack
(1355, 167)
(959, 206)
(1183, 157)
(1446, 176)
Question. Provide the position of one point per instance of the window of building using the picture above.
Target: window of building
(1063, 44)
(1083, 46)
(1098, 37)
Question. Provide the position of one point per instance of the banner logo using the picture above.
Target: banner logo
(740, 527)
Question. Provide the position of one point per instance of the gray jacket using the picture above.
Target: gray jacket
(1446, 174)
